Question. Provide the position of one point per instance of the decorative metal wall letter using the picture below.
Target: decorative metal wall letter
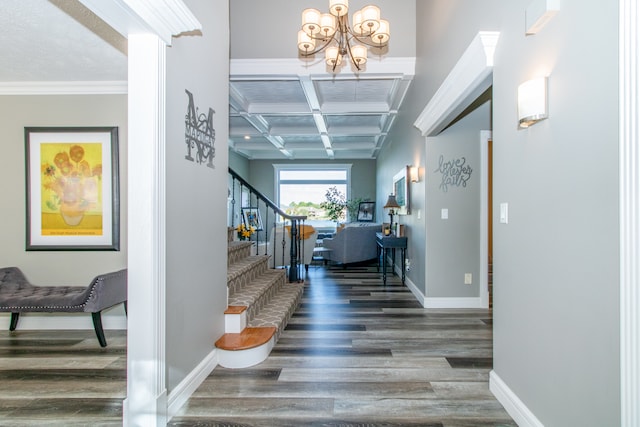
(199, 134)
(454, 172)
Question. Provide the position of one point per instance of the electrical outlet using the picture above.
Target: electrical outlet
(468, 278)
(407, 264)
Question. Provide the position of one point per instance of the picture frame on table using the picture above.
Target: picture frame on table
(252, 218)
(72, 189)
(366, 212)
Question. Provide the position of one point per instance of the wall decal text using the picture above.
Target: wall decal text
(455, 173)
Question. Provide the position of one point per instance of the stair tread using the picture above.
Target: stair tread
(249, 338)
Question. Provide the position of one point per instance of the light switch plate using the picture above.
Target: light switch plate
(444, 213)
(504, 213)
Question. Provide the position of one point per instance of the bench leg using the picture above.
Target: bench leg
(14, 321)
(97, 325)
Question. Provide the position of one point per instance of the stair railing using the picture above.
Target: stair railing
(257, 204)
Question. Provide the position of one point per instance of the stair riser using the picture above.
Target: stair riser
(254, 307)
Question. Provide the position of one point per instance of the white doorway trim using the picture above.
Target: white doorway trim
(485, 137)
(629, 164)
(468, 79)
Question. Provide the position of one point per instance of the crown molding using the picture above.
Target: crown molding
(284, 68)
(64, 88)
(472, 75)
(170, 18)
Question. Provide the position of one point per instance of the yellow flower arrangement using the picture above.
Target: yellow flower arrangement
(245, 232)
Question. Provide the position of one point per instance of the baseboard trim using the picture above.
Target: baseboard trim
(412, 287)
(452, 302)
(74, 321)
(183, 391)
(512, 404)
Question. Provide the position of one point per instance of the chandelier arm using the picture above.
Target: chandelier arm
(369, 43)
(321, 48)
(353, 61)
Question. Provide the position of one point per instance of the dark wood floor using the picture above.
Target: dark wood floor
(358, 354)
(354, 354)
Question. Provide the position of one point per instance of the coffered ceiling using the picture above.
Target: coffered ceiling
(314, 116)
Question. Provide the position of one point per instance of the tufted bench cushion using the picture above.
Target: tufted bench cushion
(17, 296)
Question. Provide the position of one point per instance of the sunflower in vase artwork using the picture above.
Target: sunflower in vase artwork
(245, 232)
(70, 183)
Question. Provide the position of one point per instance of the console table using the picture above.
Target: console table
(392, 242)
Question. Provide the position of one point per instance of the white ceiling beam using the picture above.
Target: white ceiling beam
(143, 16)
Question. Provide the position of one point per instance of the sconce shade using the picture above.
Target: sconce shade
(413, 174)
(532, 102)
(391, 202)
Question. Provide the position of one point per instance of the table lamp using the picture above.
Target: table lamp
(391, 204)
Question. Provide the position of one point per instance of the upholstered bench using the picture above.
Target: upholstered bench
(17, 296)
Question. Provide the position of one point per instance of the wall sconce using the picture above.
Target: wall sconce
(532, 102)
(414, 174)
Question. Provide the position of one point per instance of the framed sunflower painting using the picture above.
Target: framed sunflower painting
(72, 189)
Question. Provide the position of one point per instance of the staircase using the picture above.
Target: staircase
(260, 303)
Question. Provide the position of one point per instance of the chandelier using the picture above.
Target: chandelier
(331, 32)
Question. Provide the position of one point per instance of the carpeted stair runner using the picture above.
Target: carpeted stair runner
(260, 301)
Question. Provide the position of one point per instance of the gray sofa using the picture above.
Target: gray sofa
(355, 243)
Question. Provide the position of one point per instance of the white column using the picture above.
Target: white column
(629, 215)
(146, 402)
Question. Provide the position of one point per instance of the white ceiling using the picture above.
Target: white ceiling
(287, 108)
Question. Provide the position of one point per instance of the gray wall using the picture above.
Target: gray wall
(285, 20)
(196, 258)
(556, 280)
(444, 30)
(453, 244)
(18, 112)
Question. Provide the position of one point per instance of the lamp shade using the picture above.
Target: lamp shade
(339, 7)
(332, 56)
(328, 24)
(311, 21)
(381, 36)
(359, 54)
(357, 22)
(370, 19)
(391, 202)
(305, 42)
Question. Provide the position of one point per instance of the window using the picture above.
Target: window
(301, 188)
